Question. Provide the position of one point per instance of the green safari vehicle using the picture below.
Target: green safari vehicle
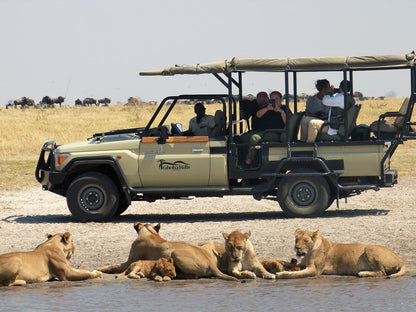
(101, 176)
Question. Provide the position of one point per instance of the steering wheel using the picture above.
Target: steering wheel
(175, 129)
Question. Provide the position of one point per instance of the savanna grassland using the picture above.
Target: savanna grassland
(23, 132)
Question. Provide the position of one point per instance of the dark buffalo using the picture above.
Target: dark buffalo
(24, 102)
(59, 100)
(104, 101)
(47, 102)
(89, 101)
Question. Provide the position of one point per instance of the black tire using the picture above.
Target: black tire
(92, 197)
(303, 196)
(123, 204)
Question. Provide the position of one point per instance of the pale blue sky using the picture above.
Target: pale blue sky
(83, 48)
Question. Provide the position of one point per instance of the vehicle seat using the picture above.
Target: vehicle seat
(219, 129)
(343, 134)
(386, 129)
(293, 124)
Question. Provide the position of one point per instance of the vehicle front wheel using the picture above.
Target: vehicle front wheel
(303, 196)
(92, 197)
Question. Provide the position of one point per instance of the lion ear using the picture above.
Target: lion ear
(171, 260)
(316, 234)
(247, 234)
(137, 226)
(66, 237)
(157, 228)
(298, 232)
(48, 236)
(225, 235)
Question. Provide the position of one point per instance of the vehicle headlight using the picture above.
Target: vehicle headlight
(60, 158)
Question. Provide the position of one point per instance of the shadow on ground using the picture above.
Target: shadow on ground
(196, 217)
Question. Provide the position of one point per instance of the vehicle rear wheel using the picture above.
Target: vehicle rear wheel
(92, 197)
(303, 196)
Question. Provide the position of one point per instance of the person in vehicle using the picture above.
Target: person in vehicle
(271, 114)
(316, 113)
(336, 104)
(201, 124)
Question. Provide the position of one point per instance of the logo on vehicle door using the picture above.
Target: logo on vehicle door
(177, 165)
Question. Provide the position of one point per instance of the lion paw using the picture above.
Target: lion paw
(98, 274)
(248, 274)
(269, 276)
(166, 278)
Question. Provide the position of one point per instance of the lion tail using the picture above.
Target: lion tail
(223, 276)
(114, 268)
(401, 272)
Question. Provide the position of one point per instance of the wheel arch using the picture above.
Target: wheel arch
(295, 165)
(105, 165)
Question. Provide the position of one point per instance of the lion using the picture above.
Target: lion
(158, 270)
(275, 266)
(237, 256)
(322, 256)
(191, 261)
(46, 262)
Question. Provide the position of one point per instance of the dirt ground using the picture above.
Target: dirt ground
(386, 217)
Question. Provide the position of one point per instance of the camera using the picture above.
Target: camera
(273, 102)
(336, 90)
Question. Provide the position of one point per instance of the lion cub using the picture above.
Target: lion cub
(158, 270)
(275, 266)
(47, 261)
(237, 256)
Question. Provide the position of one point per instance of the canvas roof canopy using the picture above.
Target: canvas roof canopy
(299, 64)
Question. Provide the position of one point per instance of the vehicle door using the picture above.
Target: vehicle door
(178, 162)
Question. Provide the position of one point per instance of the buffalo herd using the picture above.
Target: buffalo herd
(48, 102)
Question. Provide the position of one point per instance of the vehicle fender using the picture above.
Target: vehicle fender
(104, 164)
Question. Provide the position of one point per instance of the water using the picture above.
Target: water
(313, 294)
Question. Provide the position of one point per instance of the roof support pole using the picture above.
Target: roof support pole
(287, 88)
(295, 92)
(344, 88)
(240, 96)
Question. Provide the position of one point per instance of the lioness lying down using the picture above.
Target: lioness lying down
(237, 256)
(190, 260)
(158, 270)
(47, 261)
(322, 256)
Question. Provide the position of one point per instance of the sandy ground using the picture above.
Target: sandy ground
(386, 217)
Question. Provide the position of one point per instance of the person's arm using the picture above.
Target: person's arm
(282, 113)
(260, 113)
(337, 100)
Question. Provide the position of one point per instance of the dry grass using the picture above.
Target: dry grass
(23, 132)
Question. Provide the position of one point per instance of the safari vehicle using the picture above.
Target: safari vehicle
(100, 177)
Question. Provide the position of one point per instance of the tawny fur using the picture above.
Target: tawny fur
(237, 257)
(191, 261)
(322, 256)
(47, 261)
(158, 270)
(275, 266)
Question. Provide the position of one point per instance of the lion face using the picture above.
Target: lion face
(305, 241)
(236, 245)
(166, 267)
(65, 239)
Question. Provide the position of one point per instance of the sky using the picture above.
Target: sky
(96, 48)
